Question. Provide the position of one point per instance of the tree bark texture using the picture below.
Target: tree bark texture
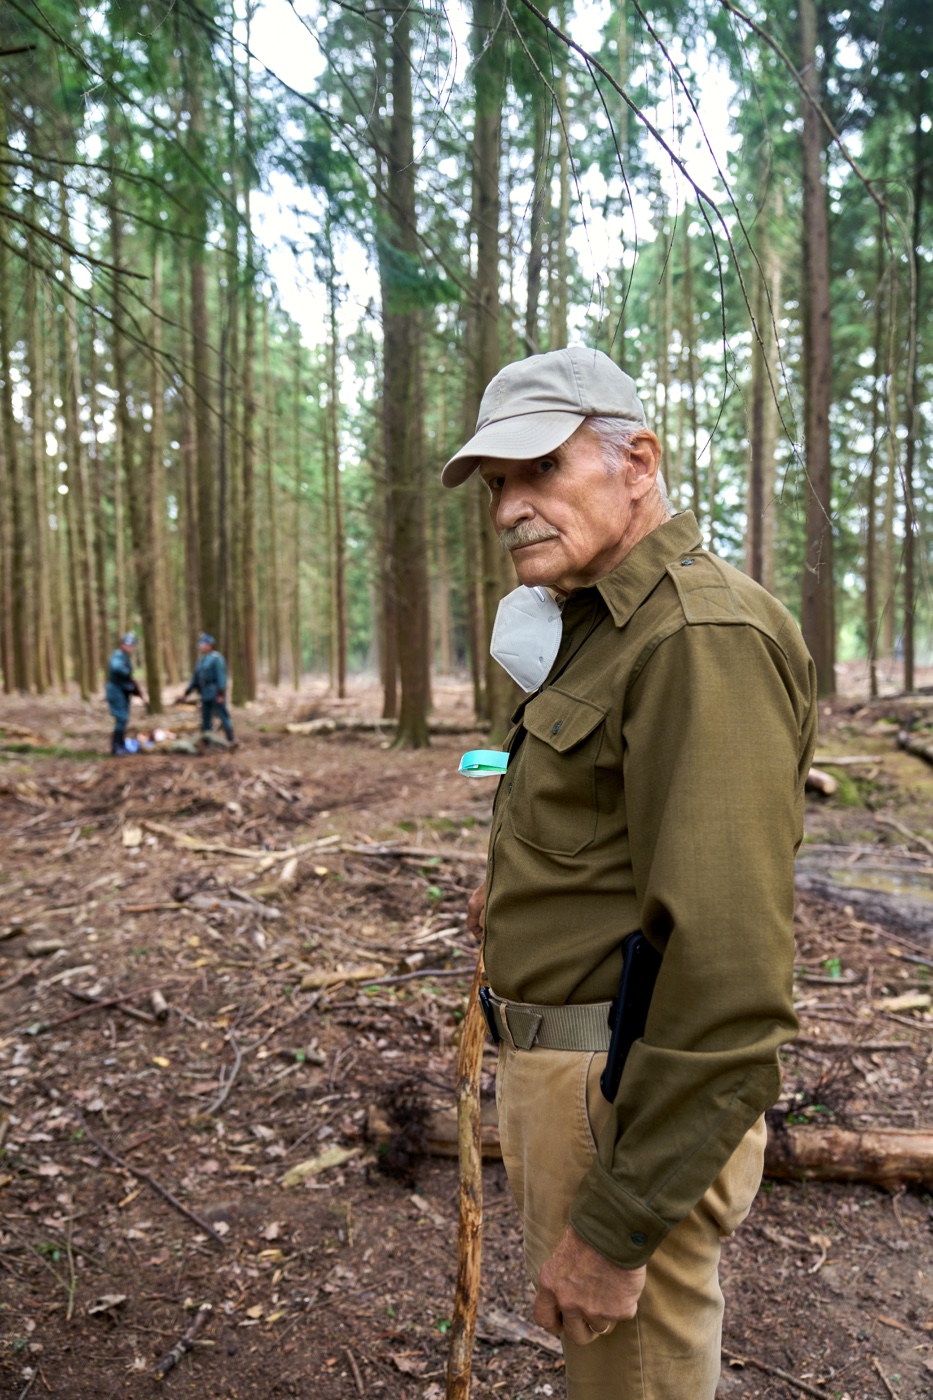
(206, 472)
(402, 395)
(817, 607)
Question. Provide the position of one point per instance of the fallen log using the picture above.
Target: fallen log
(355, 724)
(888, 1157)
(915, 744)
(822, 782)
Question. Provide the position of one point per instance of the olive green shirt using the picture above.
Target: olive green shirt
(659, 785)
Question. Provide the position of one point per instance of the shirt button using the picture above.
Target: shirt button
(555, 727)
(509, 788)
(685, 563)
(638, 1238)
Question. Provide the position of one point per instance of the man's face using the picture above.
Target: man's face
(565, 520)
(204, 648)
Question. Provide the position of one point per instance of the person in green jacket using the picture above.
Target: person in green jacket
(210, 681)
(119, 689)
(655, 783)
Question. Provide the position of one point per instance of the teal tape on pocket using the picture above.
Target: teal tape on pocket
(484, 763)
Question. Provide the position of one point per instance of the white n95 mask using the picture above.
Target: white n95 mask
(526, 635)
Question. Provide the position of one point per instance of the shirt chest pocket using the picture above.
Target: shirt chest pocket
(552, 801)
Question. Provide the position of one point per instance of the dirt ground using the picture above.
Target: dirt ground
(144, 1161)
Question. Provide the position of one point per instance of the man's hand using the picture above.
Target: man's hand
(222, 696)
(581, 1293)
(476, 912)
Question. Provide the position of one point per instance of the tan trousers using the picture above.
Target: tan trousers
(551, 1112)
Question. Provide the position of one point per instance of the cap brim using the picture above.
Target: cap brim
(516, 439)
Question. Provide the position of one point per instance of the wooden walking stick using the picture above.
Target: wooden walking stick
(469, 1235)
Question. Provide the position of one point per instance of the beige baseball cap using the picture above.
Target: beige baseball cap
(534, 405)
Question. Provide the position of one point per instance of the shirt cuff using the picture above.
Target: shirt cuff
(623, 1229)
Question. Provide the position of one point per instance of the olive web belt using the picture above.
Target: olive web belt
(523, 1025)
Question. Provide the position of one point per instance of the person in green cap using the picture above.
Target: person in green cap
(653, 800)
(120, 688)
(210, 681)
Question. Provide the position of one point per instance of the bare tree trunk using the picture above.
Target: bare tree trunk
(817, 609)
(402, 399)
(535, 231)
(913, 386)
(189, 456)
(138, 473)
(42, 616)
(7, 634)
(339, 581)
(78, 494)
(489, 76)
(98, 489)
(249, 606)
(21, 572)
(155, 479)
(871, 501)
(273, 606)
(563, 207)
(295, 629)
(209, 602)
(689, 331)
(759, 553)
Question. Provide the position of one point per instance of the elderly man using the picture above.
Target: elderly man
(655, 783)
(210, 681)
(120, 688)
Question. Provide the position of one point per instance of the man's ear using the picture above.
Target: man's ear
(644, 461)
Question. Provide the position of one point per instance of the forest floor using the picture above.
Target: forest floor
(342, 1284)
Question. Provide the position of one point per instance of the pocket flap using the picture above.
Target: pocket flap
(561, 720)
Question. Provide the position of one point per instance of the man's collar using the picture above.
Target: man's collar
(627, 587)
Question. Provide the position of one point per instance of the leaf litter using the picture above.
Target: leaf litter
(353, 1265)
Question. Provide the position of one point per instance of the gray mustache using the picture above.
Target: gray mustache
(518, 535)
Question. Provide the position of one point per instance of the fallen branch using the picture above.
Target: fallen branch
(184, 1344)
(421, 972)
(874, 1046)
(911, 836)
(470, 1231)
(357, 1378)
(848, 760)
(495, 1326)
(778, 1374)
(822, 782)
(12, 982)
(264, 859)
(355, 724)
(150, 1181)
(227, 1085)
(331, 977)
(190, 843)
(883, 1378)
(98, 1002)
(413, 852)
(94, 1004)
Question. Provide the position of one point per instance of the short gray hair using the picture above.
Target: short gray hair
(615, 436)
